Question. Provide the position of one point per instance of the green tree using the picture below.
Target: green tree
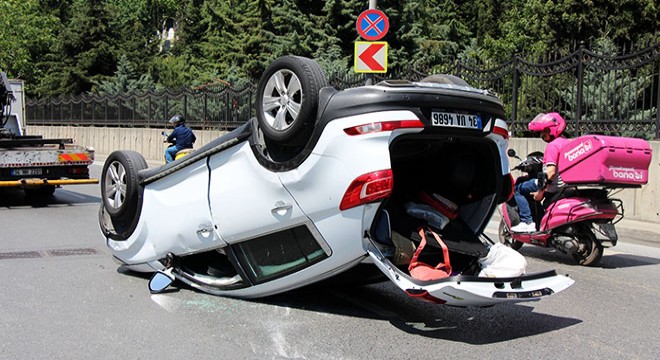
(85, 53)
(292, 30)
(134, 23)
(125, 80)
(611, 95)
(27, 31)
(431, 32)
(333, 47)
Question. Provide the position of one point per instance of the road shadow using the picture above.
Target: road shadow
(618, 261)
(383, 301)
(609, 261)
(13, 198)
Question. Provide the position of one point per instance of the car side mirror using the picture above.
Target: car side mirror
(160, 281)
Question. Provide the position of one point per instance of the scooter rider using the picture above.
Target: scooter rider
(550, 126)
(181, 138)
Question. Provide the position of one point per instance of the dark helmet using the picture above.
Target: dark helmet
(177, 119)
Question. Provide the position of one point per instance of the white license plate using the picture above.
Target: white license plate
(26, 172)
(467, 121)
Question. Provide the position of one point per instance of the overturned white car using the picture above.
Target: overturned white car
(326, 182)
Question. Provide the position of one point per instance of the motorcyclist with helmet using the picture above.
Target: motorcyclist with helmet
(180, 138)
(550, 126)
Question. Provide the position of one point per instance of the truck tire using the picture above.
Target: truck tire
(40, 193)
(119, 183)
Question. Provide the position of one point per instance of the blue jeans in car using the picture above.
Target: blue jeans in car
(521, 193)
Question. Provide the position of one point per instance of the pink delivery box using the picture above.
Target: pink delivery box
(605, 160)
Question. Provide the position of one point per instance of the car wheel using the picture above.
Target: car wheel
(287, 99)
(590, 250)
(506, 239)
(119, 182)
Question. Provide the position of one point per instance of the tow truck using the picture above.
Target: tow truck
(31, 162)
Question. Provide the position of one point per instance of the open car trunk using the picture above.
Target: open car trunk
(463, 173)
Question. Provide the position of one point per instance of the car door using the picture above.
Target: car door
(246, 199)
(175, 207)
(465, 291)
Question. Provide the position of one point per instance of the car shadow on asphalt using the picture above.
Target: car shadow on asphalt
(384, 301)
(476, 326)
(609, 261)
(13, 198)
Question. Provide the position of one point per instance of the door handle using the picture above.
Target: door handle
(204, 230)
(281, 207)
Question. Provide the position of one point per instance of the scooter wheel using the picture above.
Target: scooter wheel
(591, 250)
(506, 239)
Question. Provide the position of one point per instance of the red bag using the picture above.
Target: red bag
(444, 206)
(423, 271)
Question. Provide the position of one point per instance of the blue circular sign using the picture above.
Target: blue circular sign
(372, 24)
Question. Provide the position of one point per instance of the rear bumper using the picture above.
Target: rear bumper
(32, 183)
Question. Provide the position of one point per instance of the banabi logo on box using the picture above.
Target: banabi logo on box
(579, 150)
(626, 173)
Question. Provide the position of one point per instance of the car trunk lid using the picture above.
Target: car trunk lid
(466, 290)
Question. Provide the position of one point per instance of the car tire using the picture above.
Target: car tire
(119, 183)
(287, 99)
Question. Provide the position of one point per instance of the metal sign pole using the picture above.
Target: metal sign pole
(369, 79)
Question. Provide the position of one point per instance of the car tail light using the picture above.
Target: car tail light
(368, 188)
(383, 126)
(77, 171)
(501, 128)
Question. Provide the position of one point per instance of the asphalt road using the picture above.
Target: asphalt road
(63, 297)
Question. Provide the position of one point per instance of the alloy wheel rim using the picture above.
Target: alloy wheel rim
(282, 100)
(115, 185)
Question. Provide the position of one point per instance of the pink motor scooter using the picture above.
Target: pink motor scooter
(580, 219)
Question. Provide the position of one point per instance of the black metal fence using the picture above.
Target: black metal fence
(596, 93)
(211, 108)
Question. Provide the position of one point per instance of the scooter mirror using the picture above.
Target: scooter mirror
(161, 281)
(511, 153)
(541, 179)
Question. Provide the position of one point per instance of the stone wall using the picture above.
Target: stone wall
(640, 204)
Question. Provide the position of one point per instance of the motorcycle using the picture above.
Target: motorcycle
(580, 219)
(179, 154)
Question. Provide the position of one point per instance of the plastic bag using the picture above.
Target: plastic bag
(502, 261)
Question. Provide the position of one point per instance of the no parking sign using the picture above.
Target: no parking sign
(372, 24)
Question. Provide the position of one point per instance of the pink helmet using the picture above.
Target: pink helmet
(552, 121)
